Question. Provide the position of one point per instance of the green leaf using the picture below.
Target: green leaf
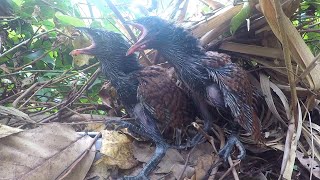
(70, 20)
(18, 2)
(241, 17)
(48, 24)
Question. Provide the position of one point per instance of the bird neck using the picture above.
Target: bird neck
(118, 68)
(181, 48)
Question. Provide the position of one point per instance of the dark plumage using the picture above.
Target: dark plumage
(148, 93)
(214, 79)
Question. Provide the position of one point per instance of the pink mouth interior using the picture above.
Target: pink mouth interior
(141, 42)
(85, 50)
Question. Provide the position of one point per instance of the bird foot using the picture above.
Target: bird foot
(134, 130)
(140, 176)
(197, 139)
(226, 150)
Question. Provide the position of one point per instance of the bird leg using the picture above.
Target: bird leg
(134, 130)
(147, 128)
(177, 136)
(160, 152)
(233, 140)
(161, 146)
(207, 118)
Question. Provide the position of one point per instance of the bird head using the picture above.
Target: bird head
(103, 43)
(154, 33)
(109, 48)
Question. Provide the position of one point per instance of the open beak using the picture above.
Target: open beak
(79, 39)
(140, 44)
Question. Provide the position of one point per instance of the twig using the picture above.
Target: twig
(215, 165)
(123, 21)
(220, 134)
(233, 169)
(25, 42)
(209, 138)
(186, 163)
(183, 11)
(36, 60)
(34, 94)
(15, 102)
(176, 8)
(79, 93)
(60, 79)
(230, 169)
(30, 71)
(72, 75)
(312, 65)
(92, 121)
(6, 99)
(286, 52)
(54, 7)
(309, 30)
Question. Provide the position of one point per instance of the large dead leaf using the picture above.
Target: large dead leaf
(47, 152)
(99, 170)
(117, 150)
(309, 163)
(7, 130)
(299, 50)
(203, 165)
(172, 162)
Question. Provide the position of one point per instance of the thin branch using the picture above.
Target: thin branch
(183, 11)
(123, 21)
(26, 42)
(280, 15)
(312, 65)
(15, 102)
(34, 94)
(230, 169)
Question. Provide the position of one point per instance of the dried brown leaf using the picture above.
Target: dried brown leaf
(203, 165)
(210, 29)
(171, 162)
(300, 52)
(117, 150)
(27, 81)
(7, 130)
(309, 163)
(45, 153)
(265, 88)
(289, 155)
(252, 50)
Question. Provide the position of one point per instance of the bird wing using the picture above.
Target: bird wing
(237, 91)
(163, 98)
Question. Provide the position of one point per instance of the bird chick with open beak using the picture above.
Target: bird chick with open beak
(214, 81)
(148, 93)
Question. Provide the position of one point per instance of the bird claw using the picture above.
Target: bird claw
(116, 125)
(197, 139)
(226, 150)
(140, 176)
(132, 130)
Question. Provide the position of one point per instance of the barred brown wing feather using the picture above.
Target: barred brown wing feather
(166, 101)
(237, 92)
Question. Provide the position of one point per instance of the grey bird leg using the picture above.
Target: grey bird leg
(147, 129)
(160, 152)
(232, 141)
(207, 118)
